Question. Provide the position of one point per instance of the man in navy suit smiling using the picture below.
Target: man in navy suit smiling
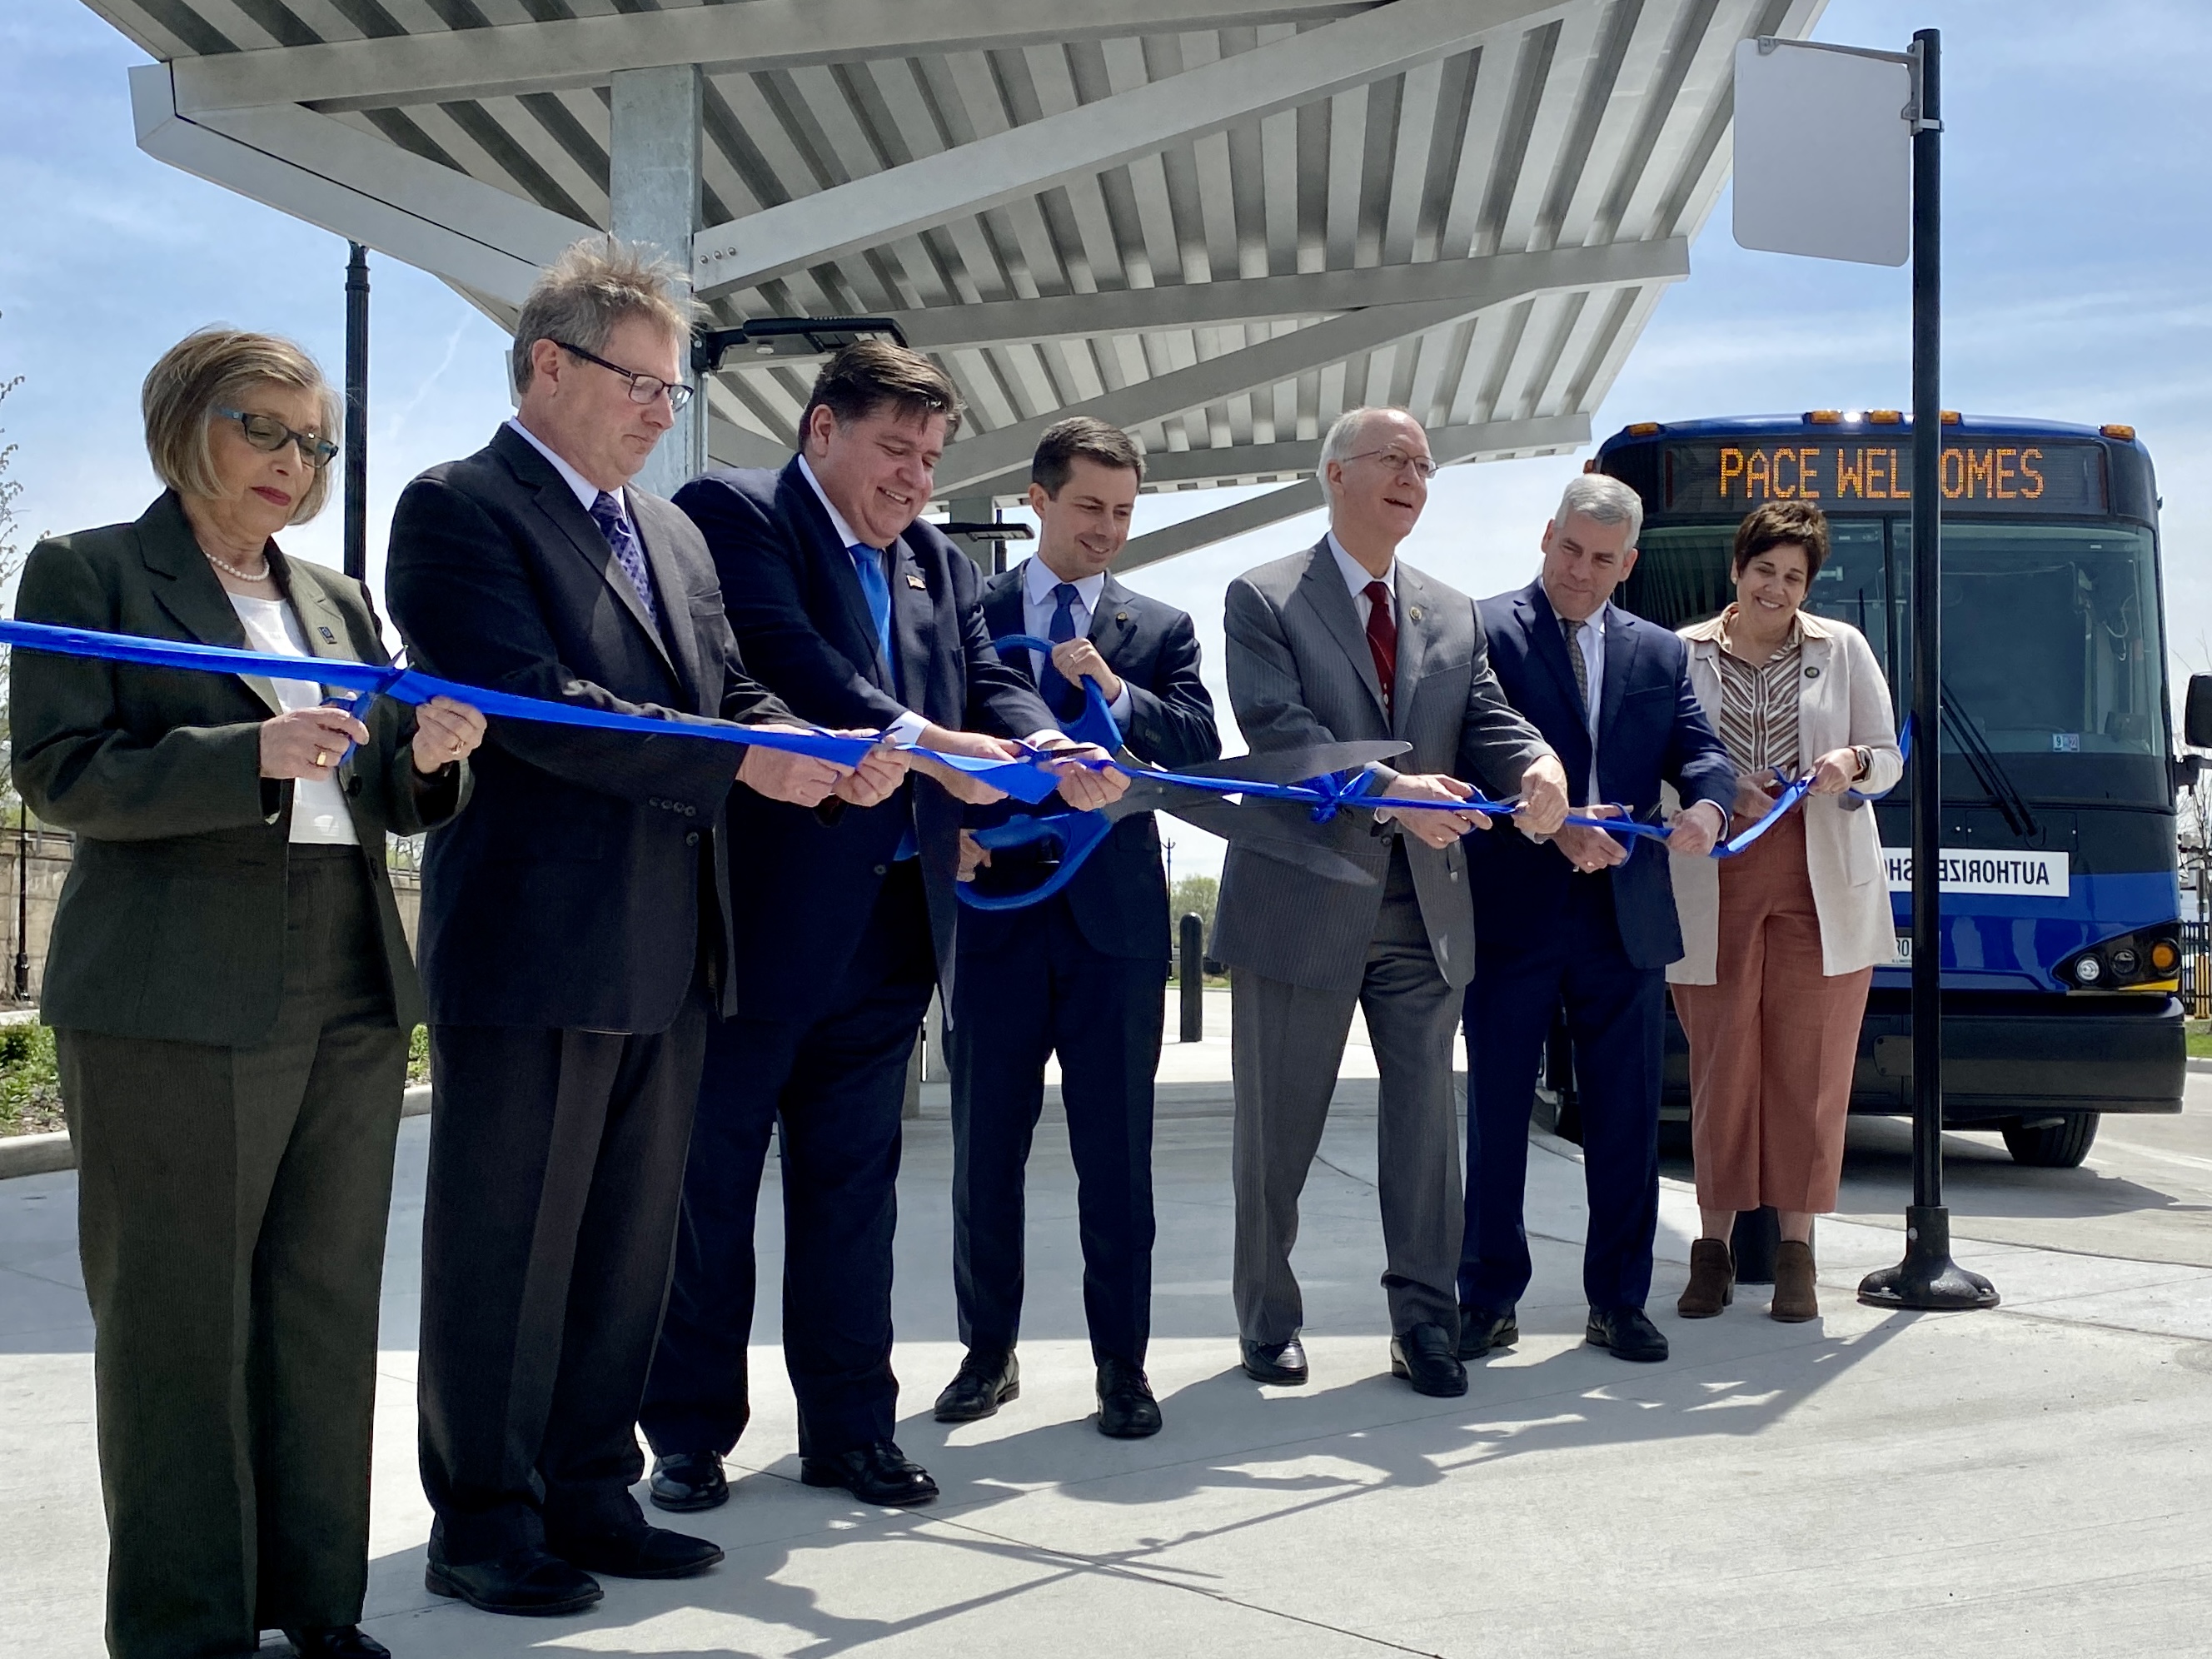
(1584, 917)
(865, 618)
(1079, 973)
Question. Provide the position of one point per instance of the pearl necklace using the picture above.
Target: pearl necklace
(230, 569)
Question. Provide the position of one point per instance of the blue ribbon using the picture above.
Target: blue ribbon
(1076, 834)
(1020, 779)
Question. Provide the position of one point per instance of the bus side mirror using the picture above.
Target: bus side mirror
(2196, 713)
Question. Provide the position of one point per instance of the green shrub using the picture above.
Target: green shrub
(30, 1086)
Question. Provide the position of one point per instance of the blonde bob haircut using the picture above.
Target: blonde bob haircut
(213, 368)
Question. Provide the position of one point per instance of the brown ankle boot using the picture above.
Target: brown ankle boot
(1712, 1279)
(1794, 1300)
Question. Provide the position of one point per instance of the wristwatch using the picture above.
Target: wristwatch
(1865, 757)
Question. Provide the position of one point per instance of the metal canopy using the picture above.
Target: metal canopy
(1215, 222)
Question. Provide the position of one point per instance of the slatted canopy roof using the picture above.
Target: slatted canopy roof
(1217, 223)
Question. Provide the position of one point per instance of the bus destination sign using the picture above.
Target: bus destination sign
(1838, 476)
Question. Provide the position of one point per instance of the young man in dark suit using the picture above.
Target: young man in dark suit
(1079, 973)
(856, 614)
(1588, 919)
(574, 938)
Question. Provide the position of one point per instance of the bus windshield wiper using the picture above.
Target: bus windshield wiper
(1988, 769)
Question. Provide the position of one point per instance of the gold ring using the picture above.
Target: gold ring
(321, 759)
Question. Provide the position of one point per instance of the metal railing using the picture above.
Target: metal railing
(2196, 969)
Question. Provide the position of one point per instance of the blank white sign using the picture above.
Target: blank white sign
(1823, 154)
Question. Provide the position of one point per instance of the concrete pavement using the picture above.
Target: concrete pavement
(2033, 1480)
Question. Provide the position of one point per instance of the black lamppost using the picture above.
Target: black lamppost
(356, 414)
(1927, 1277)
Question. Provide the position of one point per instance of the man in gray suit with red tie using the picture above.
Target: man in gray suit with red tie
(1343, 643)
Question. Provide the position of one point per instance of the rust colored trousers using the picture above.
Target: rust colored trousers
(1773, 1041)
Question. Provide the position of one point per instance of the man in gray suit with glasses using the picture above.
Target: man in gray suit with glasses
(1343, 643)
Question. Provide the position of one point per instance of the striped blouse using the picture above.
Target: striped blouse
(1758, 706)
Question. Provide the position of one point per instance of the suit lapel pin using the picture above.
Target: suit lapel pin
(329, 638)
(1412, 613)
(913, 580)
(1812, 673)
(1120, 616)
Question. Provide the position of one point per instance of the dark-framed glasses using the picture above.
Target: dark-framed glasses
(268, 434)
(1397, 460)
(643, 388)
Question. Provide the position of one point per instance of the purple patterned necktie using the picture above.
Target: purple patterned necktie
(614, 523)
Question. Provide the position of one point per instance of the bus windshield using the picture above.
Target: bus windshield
(2050, 640)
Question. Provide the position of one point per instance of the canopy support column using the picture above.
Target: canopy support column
(654, 198)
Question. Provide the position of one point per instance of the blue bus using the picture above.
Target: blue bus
(2061, 935)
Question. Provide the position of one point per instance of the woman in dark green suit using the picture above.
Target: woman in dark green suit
(232, 997)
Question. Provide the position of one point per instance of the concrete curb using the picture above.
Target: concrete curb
(28, 1155)
(2200, 1064)
(25, 1155)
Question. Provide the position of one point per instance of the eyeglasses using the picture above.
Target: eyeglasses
(643, 388)
(268, 434)
(1397, 460)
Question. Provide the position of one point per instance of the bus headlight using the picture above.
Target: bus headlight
(2146, 960)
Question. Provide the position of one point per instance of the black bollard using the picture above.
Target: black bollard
(1194, 980)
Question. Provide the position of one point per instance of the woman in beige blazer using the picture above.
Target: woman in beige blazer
(1780, 942)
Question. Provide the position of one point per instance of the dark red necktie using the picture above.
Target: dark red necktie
(1383, 637)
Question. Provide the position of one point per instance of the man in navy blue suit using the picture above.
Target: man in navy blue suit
(863, 617)
(1081, 973)
(1587, 919)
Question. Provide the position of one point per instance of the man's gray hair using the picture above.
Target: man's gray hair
(1605, 499)
(1337, 445)
(597, 283)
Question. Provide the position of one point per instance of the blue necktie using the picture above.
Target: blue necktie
(868, 565)
(614, 524)
(1052, 685)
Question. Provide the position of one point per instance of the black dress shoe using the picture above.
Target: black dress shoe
(880, 1473)
(689, 1480)
(1424, 1356)
(638, 1551)
(1481, 1330)
(336, 1642)
(1628, 1332)
(1276, 1362)
(534, 1582)
(988, 1379)
(1127, 1410)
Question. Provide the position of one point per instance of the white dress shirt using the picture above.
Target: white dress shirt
(1358, 575)
(1038, 606)
(319, 818)
(587, 493)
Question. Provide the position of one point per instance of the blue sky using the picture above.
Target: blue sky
(2078, 235)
